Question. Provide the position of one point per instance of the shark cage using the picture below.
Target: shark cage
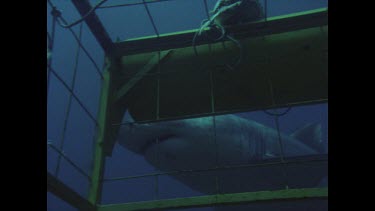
(206, 105)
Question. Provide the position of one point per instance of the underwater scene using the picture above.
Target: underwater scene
(201, 100)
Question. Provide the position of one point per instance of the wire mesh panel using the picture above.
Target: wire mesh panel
(130, 190)
(52, 159)
(180, 15)
(274, 70)
(79, 138)
(74, 179)
(275, 7)
(214, 154)
(56, 117)
(74, 79)
(170, 186)
(116, 167)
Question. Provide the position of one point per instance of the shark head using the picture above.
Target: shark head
(172, 144)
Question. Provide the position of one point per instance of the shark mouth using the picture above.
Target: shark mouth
(152, 142)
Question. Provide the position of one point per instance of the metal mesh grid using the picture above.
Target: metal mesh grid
(57, 17)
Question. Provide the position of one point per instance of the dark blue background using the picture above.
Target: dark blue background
(124, 23)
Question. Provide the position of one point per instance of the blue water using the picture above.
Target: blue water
(125, 23)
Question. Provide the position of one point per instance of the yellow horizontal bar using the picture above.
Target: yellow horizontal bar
(220, 199)
(291, 15)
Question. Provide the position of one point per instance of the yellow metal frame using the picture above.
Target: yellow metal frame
(110, 112)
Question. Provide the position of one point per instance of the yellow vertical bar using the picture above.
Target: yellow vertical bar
(102, 131)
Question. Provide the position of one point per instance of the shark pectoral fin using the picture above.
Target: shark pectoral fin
(311, 135)
(127, 117)
(269, 155)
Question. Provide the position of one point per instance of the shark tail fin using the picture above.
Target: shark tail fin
(311, 135)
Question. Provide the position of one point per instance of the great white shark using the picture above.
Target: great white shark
(192, 144)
